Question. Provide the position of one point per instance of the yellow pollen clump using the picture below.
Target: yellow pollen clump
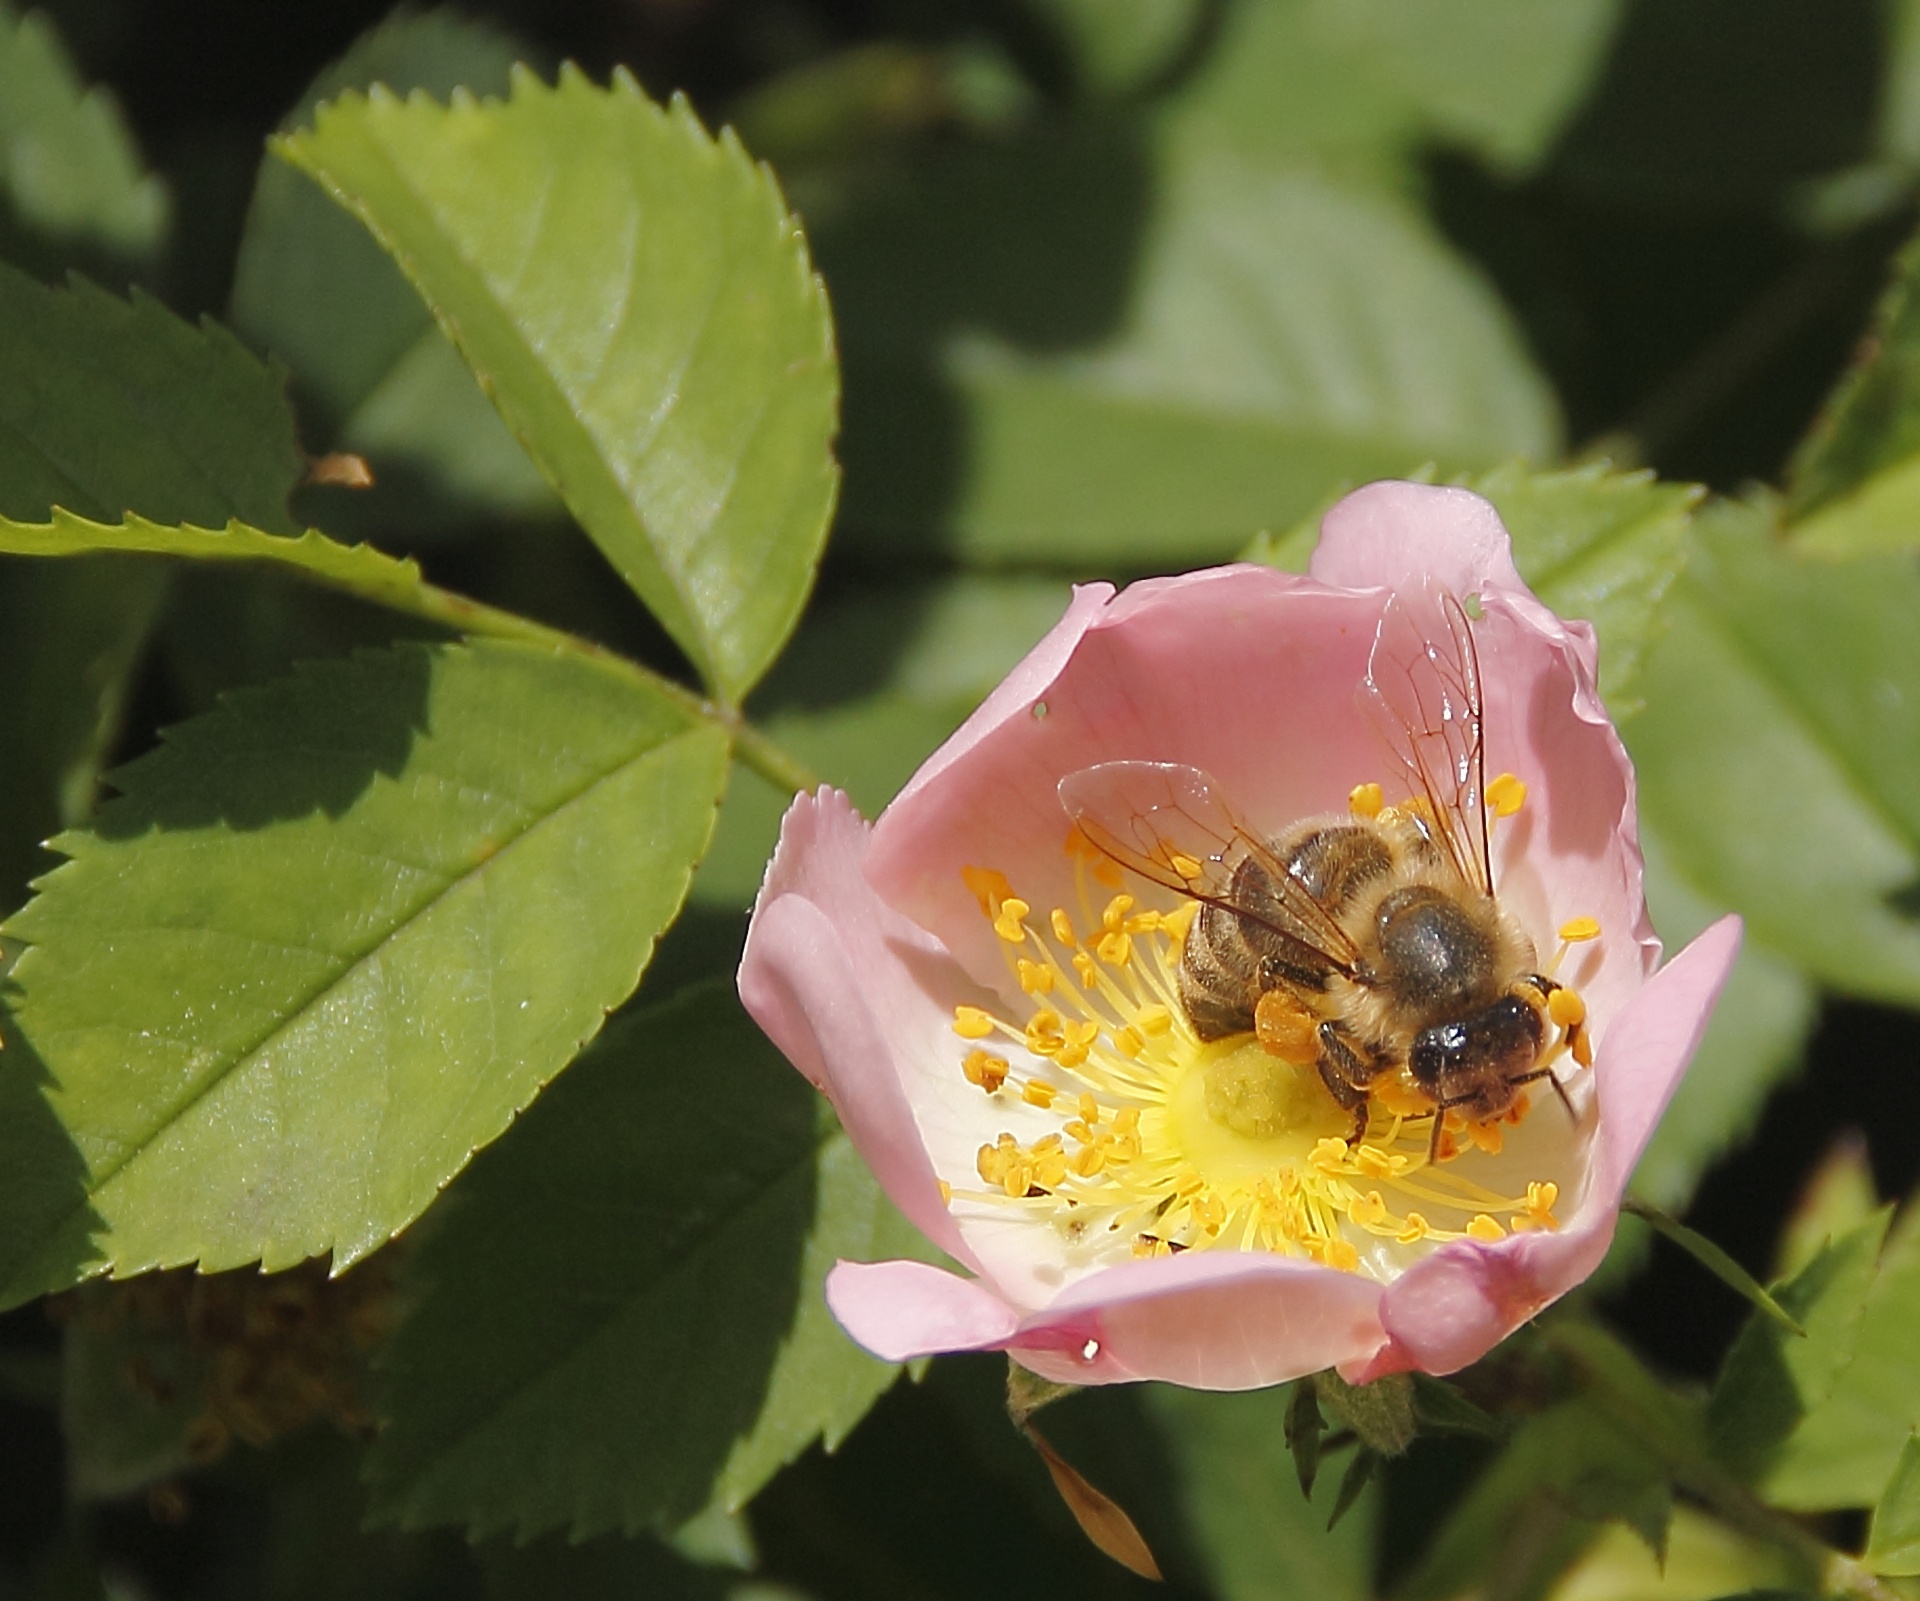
(1566, 1008)
(946, 1193)
(1141, 1140)
(988, 1071)
(1366, 800)
(970, 1023)
(1187, 867)
(1506, 795)
(1576, 930)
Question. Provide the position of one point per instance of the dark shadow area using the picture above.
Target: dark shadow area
(1031, 239)
(311, 742)
(48, 1240)
(1862, 1072)
(32, 1471)
(936, 1498)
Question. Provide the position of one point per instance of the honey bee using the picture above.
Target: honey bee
(1362, 946)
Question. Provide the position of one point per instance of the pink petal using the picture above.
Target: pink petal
(903, 1310)
(1453, 1307)
(1391, 535)
(1211, 1320)
(829, 974)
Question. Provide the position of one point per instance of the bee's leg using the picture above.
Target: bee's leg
(1552, 1078)
(1346, 1077)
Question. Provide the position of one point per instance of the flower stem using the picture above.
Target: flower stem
(1643, 1406)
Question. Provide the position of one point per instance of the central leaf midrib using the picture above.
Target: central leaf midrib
(491, 304)
(97, 1182)
(671, 1267)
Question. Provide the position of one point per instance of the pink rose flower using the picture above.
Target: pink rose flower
(993, 1007)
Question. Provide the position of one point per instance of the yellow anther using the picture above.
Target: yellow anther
(1583, 1048)
(1188, 1184)
(1341, 1254)
(986, 1070)
(1127, 1120)
(1128, 1041)
(990, 1163)
(989, 888)
(1153, 1021)
(1489, 1137)
(1143, 923)
(1077, 1043)
(1174, 924)
(1044, 1036)
(946, 1190)
(1089, 1109)
(1083, 965)
(1046, 1142)
(1566, 1008)
(1183, 865)
(1078, 1130)
(1116, 912)
(1049, 1169)
(1366, 800)
(1018, 1178)
(1539, 1208)
(1035, 977)
(1485, 1229)
(1506, 795)
(1007, 921)
(1378, 1164)
(1036, 1092)
(1577, 929)
(1088, 1160)
(1416, 1227)
(970, 1023)
(1369, 1211)
(1330, 1155)
(1210, 1212)
(1063, 929)
(1149, 1245)
(1114, 948)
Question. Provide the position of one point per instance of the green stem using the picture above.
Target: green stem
(1642, 1405)
(771, 762)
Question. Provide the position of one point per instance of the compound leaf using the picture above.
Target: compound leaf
(330, 939)
(639, 304)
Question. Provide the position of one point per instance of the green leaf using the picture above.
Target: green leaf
(1773, 1381)
(1849, 1441)
(639, 304)
(1838, 1196)
(1284, 333)
(69, 169)
(1755, 1038)
(1854, 485)
(1536, 1505)
(620, 1319)
(369, 363)
(1893, 1542)
(330, 940)
(1119, 45)
(1779, 751)
(1591, 541)
(1703, 1558)
(108, 406)
(70, 634)
(1257, 1535)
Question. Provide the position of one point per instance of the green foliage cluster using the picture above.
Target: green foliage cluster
(326, 972)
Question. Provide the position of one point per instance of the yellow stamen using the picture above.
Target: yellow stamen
(1485, 1229)
(946, 1193)
(1035, 979)
(1007, 922)
(1063, 929)
(1415, 1228)
(989, 888)
(1577, 929)
(1114, 948)
(1506, 795)
(1037, 1092)
(1370, 1211)
(1366, 800)
(1566, 1008)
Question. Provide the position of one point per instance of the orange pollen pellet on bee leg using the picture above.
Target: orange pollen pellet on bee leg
(1286, 1029)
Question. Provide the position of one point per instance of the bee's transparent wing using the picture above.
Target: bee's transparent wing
(1423, 691)
(1170, 824)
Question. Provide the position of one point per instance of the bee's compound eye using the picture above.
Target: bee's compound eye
(1435, 1050)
